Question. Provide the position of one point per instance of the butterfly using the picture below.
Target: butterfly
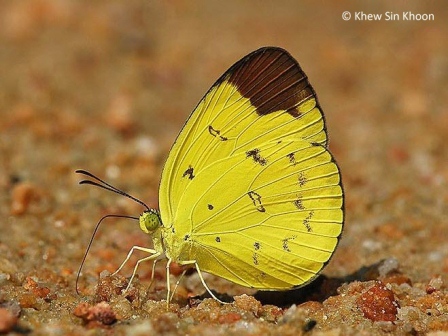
(249, 191)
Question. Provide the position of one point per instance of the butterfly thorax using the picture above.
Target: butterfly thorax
(176, 245)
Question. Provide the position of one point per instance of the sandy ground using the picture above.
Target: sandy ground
(107, 85)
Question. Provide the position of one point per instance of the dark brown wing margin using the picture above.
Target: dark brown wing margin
(272, 80)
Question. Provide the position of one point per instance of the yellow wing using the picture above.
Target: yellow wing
(264, 96)
(249, 189)
(268, 223)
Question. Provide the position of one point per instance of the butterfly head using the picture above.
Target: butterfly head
(149, 221)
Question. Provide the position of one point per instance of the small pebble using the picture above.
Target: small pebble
(7, 320)
(22, 195)
(378, 303)
(101, 312)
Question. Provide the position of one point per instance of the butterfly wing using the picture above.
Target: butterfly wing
(249, 187)
(269, 224)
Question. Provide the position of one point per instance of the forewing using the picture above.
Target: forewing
(265, 97)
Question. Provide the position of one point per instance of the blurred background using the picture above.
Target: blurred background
(107, 85)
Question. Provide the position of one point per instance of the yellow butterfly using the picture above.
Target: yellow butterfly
(249, 191)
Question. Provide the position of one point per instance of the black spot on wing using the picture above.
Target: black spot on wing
(285, 243)
(299, 204)
(255, 258)
(256, 200)
(291, 158)
(255, 155)
(306, 221)
(216, 133)
(302, 180)
(189, 173)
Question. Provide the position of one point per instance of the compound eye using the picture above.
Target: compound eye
(149, 221)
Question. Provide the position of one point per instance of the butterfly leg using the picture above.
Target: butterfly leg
(169, 295)
(154, 254)
(193, 262)
(151, 257)
(205, 285)
(177, 284)
(168, 289)
(153, 272)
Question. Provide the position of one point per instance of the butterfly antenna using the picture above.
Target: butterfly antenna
(103, 184)
(91, 241)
